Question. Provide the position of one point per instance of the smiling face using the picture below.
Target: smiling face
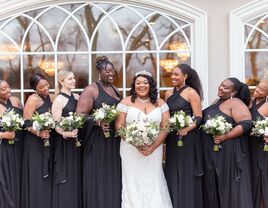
(4, 90)
(107, 75)
(42, 87)
(142, 87)
(226, 89)
(261, 90)
(177, 77)
(68, 82)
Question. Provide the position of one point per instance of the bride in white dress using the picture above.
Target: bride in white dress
(143, 181)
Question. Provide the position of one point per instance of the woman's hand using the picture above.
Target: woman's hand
(147, 150)
(105, 126)
(265, 138)
(70, 134)
(219, 139)
(183, 132)
(43, 134)
(7, 135)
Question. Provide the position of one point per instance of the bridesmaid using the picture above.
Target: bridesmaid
(101, 159)
(67, 175)
(258, 157)
(227, 173)
(36, 171)
(184, 164)
(10, 154)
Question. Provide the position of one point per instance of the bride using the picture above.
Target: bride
(143, 180)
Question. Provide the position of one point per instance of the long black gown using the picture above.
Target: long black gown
(36, 170)
(101, 162)
(67, 168)
(227, 172)
(184, 164)
(10, 167)
(259, 162)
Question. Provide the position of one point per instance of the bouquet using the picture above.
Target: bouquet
(261, 129)
(140, 133)
(179, 121)
(43, 122)
(11, 121)
(72, 122)
(107, 113)
(217, 126)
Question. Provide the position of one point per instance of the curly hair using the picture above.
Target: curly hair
(152, 89)
(102, 62)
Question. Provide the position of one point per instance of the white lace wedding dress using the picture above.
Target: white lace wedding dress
(143, 180)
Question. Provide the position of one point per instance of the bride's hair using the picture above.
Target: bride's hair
(152, 89)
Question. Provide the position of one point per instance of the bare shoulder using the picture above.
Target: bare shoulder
(16, 102)
(90, 89)
(160, 102)
(33, 98)
(126, 101)
(52, 97)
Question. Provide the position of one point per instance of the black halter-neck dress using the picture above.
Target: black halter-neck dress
(101, 162)
(10, 167)
(183, 166)
(259, 162)
(36, 170)
(67, 168)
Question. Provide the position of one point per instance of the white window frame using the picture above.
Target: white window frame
(199, 59)
(237, 20)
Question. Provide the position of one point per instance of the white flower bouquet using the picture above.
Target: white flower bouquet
(72, 122)
(107, 113)
(178, 121)
(140, 133)
(43, 122)
(217, 126)
(260, 128)
(11, 121)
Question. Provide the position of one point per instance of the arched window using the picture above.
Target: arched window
(249, 42)
(71, 36)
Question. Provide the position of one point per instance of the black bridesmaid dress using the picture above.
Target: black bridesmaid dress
(227, 172)
(101, 162)
(259, 162)
(183, 166)
(67, 168)
(10, 167)
(36, 169)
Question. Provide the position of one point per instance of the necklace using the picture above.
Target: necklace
(143, 101)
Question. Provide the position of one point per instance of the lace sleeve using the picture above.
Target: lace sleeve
(164, 108)
(122, 108)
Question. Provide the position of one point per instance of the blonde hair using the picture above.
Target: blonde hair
(62, 74)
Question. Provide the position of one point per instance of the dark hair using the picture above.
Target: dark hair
(152, 89)
(102, 62)
(193, 79)
(242, 90)
(34, 79)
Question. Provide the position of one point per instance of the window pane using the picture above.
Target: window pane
(256, 67)
(10, 70)
(43, 64)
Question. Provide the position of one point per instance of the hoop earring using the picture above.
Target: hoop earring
(231, 96)
(266, 99)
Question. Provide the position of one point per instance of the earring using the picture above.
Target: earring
(231, 96)
(266, 99)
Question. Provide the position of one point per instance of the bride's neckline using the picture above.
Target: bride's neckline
(143, 111)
